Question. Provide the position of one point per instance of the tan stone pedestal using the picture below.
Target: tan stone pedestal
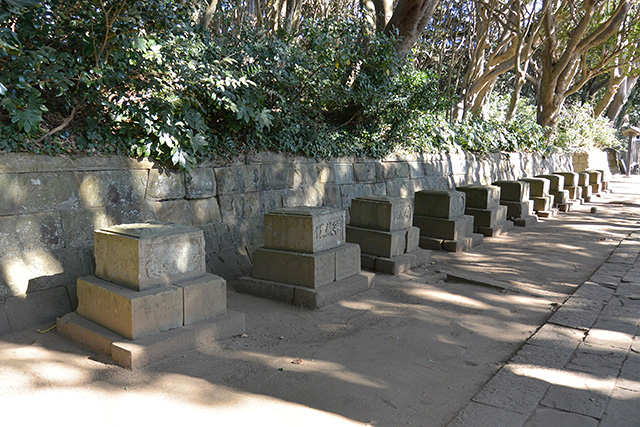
(305, 260)
(439, 214)
(382, 227)
(151, 296)
(483, 203)
(515, 196)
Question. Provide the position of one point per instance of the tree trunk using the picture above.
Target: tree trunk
(207, 16)
(384, 11)
(409, 21)
(621, 97)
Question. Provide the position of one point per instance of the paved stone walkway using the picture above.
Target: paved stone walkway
(582, 368)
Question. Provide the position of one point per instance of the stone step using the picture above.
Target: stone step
(380, 243)
(440, 228)
(303, 296)
(396, 265)
(139, 353)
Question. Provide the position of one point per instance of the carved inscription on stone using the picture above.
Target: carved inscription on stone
(402, 213)
(171, 256)
(328, 229)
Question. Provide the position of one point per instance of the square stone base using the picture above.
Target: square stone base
(560, 197)
(495, 230)
(458, 245)
(596, 188)
(543, 203)
(574, 192)
(396, 265)
(518, 209)
(547, 213)
(565, 207)
(587, 192)
(440, 228)
(487, 217)
(306, 297)
(380, 243)
(138, 353)
(525, 221)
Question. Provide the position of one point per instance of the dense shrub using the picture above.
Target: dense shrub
(139, 77)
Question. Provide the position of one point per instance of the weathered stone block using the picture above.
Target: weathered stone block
(304, 229)
(4, 320)
(203, 298)
(413, 239)
(343, 173)
(402, 263)
(595, 176)
(574, 192)
(147, 255)
(481, 196)
(560, 197)
(381, 213)
(596, 188)
(130, 313)
(174, 211)
(204, 211)
(416, 170)
(379, 243)
(556, 182)
(112, 188)
(541, 203)
(78, 225)
(583, 179)
(237, 179)
(514, 191)
(277, 176)
(29, 193)
(302, 269)
(539, 186)
(400, 188)
(200, 183)
(347, 260)
(571, 179)
(488, 217)
(20, 233)
(364, 172)
(518, 209)
(447, 204)
(440, 228)
(165, 184)
(587, 192)
(237, 209)
(37, 307)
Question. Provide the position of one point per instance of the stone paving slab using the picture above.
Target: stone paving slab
(479, 415)
(546, 417)
(582, 368)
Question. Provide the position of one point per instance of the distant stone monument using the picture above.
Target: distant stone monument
(561, 197)
(585, 186)
(439, 214)
(305, 260)
(595, 181)
(515, 196)
(539, 193)
(571, 181)
(151, 296)
(483, 203)
(382, 227)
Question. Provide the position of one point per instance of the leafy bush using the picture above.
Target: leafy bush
(139, 77)
(578, 131)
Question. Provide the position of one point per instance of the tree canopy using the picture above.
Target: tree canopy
(183, 80)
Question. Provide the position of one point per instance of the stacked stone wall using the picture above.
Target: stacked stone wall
(49, 207)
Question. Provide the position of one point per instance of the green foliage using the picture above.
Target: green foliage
(578, 131)
(139, 77)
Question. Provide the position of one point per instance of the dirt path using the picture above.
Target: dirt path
(411, 351)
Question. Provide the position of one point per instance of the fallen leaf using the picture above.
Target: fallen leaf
(297, 361)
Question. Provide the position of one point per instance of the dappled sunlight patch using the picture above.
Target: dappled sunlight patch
(447, 297)
(572, 379)
(313, 366)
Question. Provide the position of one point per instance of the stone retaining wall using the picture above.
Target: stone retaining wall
(49, 207)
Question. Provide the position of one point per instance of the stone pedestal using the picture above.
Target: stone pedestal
(382, 227)
(483, 203)
(595, 180)
(150, 284)
(585, 186)
(571, 180)
(305, 260)
(439, 214)
(515, 195)
(542, 199)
